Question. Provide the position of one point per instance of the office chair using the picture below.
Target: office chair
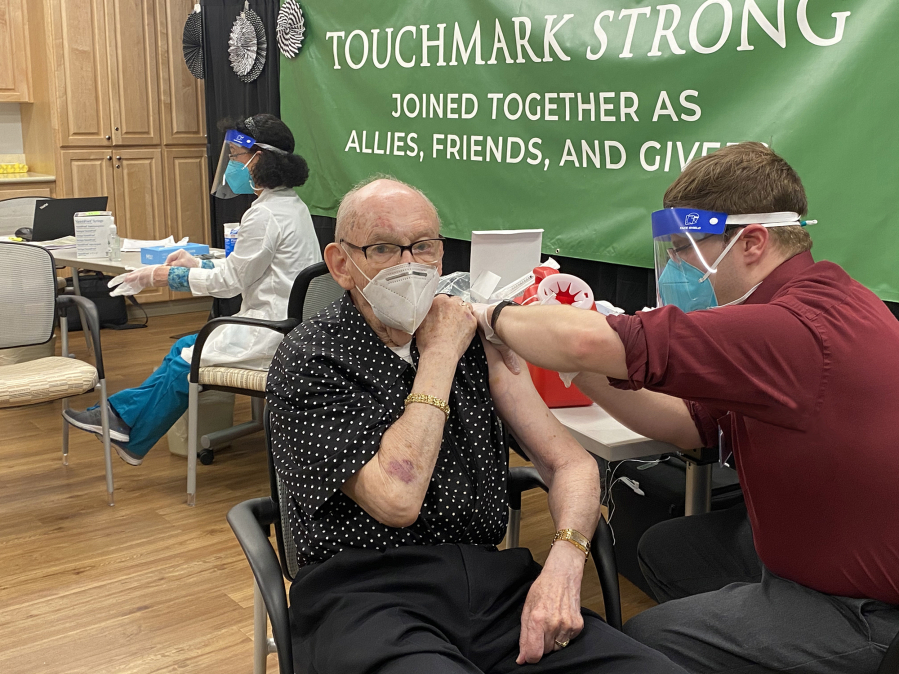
(251, 522)
(30, 307)
(313, 290)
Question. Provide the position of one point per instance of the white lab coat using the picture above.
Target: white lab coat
(276, 241)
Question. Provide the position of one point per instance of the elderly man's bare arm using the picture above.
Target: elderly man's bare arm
(392, 486)
(552, 611)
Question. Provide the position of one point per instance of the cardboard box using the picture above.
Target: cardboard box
(158, 254)
(92, 234)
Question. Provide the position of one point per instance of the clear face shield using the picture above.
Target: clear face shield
(232, 176)
(688, 248)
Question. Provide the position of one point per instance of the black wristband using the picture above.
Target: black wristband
(499, 307)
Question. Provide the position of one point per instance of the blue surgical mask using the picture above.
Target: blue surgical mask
(680, 285)
(238, 177)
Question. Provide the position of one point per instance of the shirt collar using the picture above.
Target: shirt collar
(780, 277)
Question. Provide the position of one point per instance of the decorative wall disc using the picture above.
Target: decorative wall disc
(242, 45)
(291, 28)
(192, 44)
(261, 46)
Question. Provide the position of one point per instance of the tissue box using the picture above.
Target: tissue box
(158, 254)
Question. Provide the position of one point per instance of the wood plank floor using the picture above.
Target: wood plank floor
(149, 585)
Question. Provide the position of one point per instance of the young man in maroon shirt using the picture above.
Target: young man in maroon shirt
(795, 370)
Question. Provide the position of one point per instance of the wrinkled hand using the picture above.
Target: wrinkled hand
(181, 258)
(132, 282)
(481, 312)
(449, 327)
(552, 610)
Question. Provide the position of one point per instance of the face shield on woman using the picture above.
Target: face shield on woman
(686, 254)
(232, 176)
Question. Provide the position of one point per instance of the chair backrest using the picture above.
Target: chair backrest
(287, 550)
(27, 294)
(17, 213)
(313, 290)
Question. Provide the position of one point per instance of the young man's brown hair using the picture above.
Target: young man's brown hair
(744, 178)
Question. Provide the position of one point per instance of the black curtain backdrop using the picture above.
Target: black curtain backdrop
(227, 96)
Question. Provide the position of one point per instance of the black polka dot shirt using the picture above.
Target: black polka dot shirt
(334, 388)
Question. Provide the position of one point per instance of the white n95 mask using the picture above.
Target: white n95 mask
(401, 296)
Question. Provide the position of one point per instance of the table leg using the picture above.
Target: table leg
(76, 286)
(699, 489)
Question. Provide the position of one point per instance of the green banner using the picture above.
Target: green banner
(575, 116)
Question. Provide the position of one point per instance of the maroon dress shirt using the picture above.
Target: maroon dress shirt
(803, 381)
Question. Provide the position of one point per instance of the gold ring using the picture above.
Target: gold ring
(562, 644)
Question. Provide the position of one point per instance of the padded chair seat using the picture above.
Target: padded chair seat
(45, 379)
(233, 377)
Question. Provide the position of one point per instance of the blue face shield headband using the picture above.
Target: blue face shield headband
(233, 177)
(681, 259)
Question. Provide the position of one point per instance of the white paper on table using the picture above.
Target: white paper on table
(134, 245)
(508, 253)
(56, 244)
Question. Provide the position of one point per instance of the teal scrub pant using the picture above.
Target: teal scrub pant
(152, 408)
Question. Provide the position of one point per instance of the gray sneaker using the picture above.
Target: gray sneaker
(89, 420)
(121, 448)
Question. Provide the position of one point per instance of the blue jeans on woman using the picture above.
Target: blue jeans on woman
(152, 408)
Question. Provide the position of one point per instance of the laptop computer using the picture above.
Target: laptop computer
(55, 218)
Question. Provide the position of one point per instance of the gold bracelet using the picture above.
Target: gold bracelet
(576, 538)
(428, 400)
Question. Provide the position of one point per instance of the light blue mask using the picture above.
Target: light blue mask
(679, 284)
(238, 177)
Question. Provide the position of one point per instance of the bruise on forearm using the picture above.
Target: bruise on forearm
(403, 470)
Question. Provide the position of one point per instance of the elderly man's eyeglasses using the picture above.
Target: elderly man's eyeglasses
(426, 250)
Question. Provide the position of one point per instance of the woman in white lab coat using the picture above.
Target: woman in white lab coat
(275, 242)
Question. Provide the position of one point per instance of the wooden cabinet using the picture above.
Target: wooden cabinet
(182, 96)
(15, 57)
(79, 72)
(118, 113)
(87, 173)
(187, 193)
(133, 79)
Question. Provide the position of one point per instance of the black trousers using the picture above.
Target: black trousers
(436, 609)
(722, 611)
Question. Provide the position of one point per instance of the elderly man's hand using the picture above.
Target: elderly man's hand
(552, 611)
(448, 328)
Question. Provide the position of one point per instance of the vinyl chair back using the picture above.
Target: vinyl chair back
(29, 307)
(890, 662)
(17, 213)
(287, 549)
(28, 297)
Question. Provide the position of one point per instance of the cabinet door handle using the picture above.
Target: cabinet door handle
(118, 166)
(108, 137)
(117, 128)
(118, 159)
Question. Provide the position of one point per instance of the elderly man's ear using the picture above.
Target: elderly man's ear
(338, 265)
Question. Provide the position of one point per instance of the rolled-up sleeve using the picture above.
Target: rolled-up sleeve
(740, 359)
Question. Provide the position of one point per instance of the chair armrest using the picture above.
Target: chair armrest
(283, 327)
(521, 479)
(603, 548)
(92, 318)
(250, 522)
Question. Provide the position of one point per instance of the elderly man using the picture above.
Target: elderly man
(386, 429)
(791, 365)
